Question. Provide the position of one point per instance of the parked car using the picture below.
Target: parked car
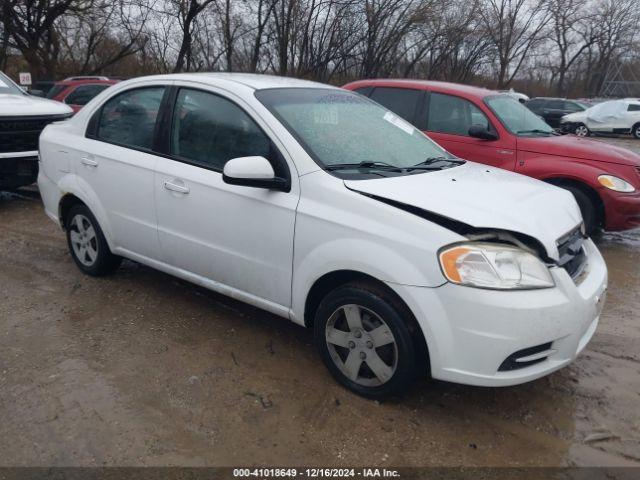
(77, 91)
(480, 125)
(320, 206)
(614, 116)
(520, 97)
(553, 109)
(22, 118)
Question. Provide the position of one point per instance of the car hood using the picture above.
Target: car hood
(577, 147)
(485, 198)
(575, 117)
(26, 105)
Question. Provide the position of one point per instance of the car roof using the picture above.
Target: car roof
(255, 81)
(85, 81)
(436, 86)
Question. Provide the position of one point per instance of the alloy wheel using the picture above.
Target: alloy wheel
(361, 345)
(84, 240)
(582, 131)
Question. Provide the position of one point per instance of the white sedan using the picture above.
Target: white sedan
(614, 116)
(322, 207)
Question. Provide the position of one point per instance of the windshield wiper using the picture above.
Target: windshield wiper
(537, 130)
(355, 166)
(427, 164)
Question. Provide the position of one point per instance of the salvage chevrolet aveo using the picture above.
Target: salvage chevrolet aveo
(321, 206)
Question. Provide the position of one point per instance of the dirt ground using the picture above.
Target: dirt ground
(142, 369)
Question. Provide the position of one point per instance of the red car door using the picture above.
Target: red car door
(448, 120)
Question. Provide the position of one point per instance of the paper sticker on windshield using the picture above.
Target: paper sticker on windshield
(325, 114)
(399, 122)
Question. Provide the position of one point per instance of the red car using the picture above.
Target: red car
(78, 91)
(487, 127)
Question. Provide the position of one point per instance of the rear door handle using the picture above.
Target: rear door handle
(88, 161)
(174, 187)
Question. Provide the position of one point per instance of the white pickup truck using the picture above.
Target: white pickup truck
(22, 118)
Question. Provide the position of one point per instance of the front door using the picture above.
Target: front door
(448, 120)
(238, 236)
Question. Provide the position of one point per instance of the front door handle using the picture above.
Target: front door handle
(88, 161)
(175, 187)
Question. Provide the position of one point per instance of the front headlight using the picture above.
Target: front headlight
(492, 265)
(616, 184)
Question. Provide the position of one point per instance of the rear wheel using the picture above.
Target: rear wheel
(635, 131)
(364, 341)
(87, 244)
(581, 130)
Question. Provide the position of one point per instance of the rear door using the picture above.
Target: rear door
(448, 119)
(237, 236)
(117, 162)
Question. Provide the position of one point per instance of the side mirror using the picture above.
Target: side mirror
(479, 131)
(254, 172)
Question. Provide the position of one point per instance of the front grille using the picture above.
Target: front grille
(20, 134)
(513, 362)
(571, 253)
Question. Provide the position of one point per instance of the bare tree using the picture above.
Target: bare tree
(572, 32)
(31, 26)
(186, 12)
(514, 28)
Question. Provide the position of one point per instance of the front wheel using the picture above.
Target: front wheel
(587, 209)
(581, 130)
(365, 342)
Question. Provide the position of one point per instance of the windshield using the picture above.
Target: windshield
(7, 86)
(340, 128)
(517, 118)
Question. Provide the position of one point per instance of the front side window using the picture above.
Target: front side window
(517, 118)
(210, 130)
(402, 101)
(454, 115)
(84, 93)
(340, 128)
(129, 119)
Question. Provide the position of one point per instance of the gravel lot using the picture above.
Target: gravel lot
(142, 369)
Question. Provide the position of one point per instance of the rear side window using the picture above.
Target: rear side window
(55, 90)
(535, 103)
(634, 107)
(401, 101)
(453, 115)
(556, 104)
(84, 93)
(572, 107)
(211, 130)
(129, 119)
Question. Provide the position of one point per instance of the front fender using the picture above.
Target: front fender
(369, 258)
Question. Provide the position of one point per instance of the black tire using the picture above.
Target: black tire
(581, 127)
(400, 357)
(635, 131)
(104, 262)
(589, 211)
